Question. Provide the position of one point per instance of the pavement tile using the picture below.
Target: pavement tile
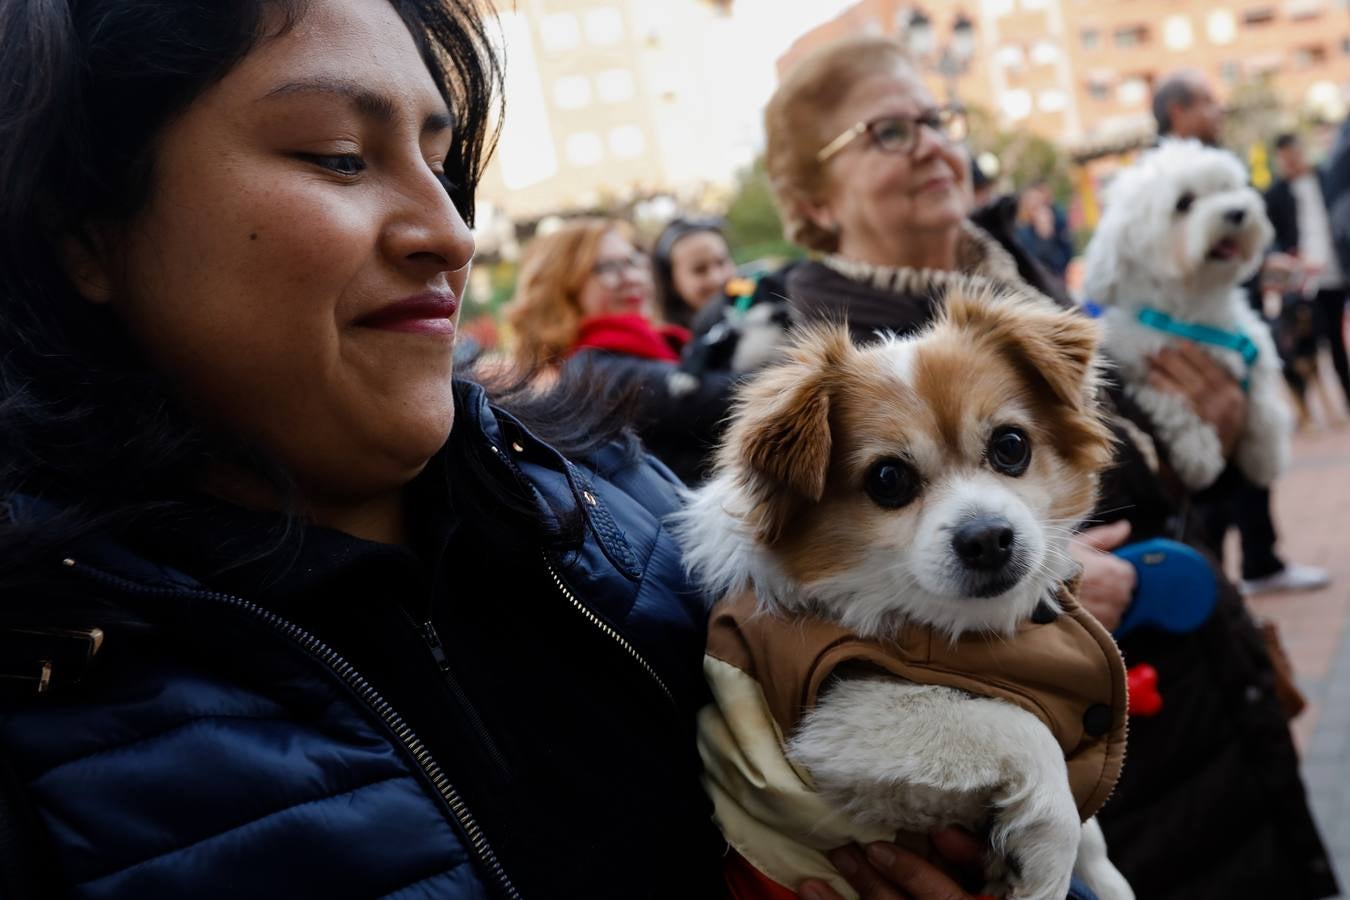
(1312, 515)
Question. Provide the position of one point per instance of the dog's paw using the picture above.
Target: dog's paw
(1037, 832)
(1096, 870)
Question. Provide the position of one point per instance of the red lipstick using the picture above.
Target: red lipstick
(429, 313)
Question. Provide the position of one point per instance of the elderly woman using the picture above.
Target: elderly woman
(585, 304)
(871, 173)
(286, 611)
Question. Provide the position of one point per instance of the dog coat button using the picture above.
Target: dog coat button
(1043, 614)
(1097, 719)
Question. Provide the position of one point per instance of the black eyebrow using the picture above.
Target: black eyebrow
(367, 102)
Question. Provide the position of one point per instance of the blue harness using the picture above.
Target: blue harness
(1201, 334)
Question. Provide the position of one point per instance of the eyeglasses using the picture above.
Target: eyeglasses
(611, 271)
(900, 134)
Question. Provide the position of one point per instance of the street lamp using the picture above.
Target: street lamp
(952, 60)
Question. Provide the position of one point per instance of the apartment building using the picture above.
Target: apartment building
(1082, 71)
(607, 100)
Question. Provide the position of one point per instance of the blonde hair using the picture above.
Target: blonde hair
(545, 312)
(796, 119)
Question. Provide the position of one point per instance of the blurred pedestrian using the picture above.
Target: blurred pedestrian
(1185, 107)
(1043, 229)
(1299, 207)
(693, 264)
(584, 302)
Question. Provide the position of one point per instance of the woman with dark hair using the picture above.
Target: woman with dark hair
(692, 263)
(284, 610)
(583, 306)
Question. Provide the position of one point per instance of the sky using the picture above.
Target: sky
(764, 29)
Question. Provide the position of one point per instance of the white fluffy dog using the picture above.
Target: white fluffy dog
(1180, 232)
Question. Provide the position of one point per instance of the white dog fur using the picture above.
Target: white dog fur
(891, 753)
(1155, 247)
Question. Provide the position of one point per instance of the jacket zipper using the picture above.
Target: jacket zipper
(605, 629)
(347, 674)
(433, 642)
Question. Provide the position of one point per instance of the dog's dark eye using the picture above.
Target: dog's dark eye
(1010, 450)
(892, 483)
(1184, 202)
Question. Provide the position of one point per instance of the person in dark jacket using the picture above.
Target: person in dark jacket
(1338, 194)
(1299, 207)
(1043, 230)
(284, 610)
(872, 175)
(584, 303)
(1185, 107)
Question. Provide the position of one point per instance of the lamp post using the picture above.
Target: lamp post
(952, 59)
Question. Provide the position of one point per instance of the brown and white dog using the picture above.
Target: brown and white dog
(930, 481)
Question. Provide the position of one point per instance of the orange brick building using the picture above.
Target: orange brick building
(1081, 71)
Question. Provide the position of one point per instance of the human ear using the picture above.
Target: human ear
(88, 264)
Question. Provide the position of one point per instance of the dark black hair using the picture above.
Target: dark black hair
(86, 87)
(1285, 139)
(1175, 90)
(675, 308)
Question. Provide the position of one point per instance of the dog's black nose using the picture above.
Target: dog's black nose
(984, 544)
(1235, 216)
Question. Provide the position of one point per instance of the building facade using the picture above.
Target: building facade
(1082, 71)
(606, 102)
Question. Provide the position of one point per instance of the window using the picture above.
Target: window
(627, 141)
(1130, 36)
(999, 8)
(1177, 34)
(604, 25)
(559, 32)
(615, 85)
(1010, 56)
(584, 148)
(1221, 26)
(1091, 38)
(1052, 101)
(1299, 10)
(1310, 56)
(1044, 53)
(1016, 104)
(1132, 91)
(1258, 15)
(572, 92)
(1099, 89)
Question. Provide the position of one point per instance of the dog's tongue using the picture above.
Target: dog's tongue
(1224, 249)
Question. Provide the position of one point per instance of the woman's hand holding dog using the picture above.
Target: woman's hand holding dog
(888, 872)
(1108, 581)
(1189, 372)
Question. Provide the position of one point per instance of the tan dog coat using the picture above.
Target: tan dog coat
(766, 672)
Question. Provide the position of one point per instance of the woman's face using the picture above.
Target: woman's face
(700, 266)
(298, 269)
(876, 200)
(620, 281)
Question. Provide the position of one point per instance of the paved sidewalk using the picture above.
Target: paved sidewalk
(1312, 514)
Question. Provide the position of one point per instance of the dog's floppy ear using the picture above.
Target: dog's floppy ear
(1054, 346)
(1121, 226)
(782, 430)
(1050, 346)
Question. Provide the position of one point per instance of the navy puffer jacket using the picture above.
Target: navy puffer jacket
(215, 749)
